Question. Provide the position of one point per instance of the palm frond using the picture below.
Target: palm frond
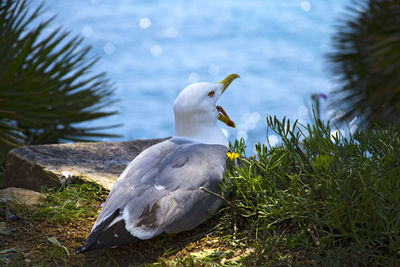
(47, 88)
(366, 61)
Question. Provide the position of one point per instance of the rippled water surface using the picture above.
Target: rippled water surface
(153, 49)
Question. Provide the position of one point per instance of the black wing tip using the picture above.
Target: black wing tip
(104, 236)
(84, 248)
(80, 250)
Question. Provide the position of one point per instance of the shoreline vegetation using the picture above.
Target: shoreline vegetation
(313, 199)
(334, 197)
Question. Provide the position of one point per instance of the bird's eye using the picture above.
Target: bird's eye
(210, 94)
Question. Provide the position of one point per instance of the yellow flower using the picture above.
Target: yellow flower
(232, 156)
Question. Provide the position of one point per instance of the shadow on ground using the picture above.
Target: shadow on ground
(27, 242)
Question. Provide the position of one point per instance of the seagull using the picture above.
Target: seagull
(161, 189)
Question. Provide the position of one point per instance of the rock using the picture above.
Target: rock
(26, 196)
(46, 165)
(3, 229)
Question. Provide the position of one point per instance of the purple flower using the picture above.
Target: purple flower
(324, 96)
(101, 204)
(14, 218)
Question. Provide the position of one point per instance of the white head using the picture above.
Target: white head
(196, 112)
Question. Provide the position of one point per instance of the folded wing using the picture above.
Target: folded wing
(159, 192)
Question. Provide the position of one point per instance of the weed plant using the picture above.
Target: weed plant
(334, 199)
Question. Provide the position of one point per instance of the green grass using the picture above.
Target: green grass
(314, 199)
(73, 202)
(67, 203)
(334, 199)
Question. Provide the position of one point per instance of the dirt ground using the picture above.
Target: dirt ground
(27, 244)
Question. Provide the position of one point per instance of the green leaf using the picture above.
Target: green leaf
(57, 243)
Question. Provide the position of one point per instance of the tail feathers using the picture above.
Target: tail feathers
(106, 236)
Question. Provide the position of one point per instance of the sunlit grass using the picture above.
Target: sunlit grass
(313, 199)
(73, 202)
(336, 199)
(67, 203)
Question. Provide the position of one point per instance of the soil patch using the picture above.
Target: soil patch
(28, 244)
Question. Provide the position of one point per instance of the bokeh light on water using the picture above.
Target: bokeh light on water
(305, 6)
(153, 49)
(144, 23)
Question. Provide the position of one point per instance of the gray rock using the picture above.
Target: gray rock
(46, 165)
(4, 229)
(29, 197)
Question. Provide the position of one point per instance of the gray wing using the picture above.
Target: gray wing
(159, 191)
(173, 201)
(134, 180)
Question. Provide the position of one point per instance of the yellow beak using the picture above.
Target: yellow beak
(223, 116)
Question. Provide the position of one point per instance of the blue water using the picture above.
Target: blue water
(151, 50)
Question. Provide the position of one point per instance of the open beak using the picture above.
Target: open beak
(223, 116)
